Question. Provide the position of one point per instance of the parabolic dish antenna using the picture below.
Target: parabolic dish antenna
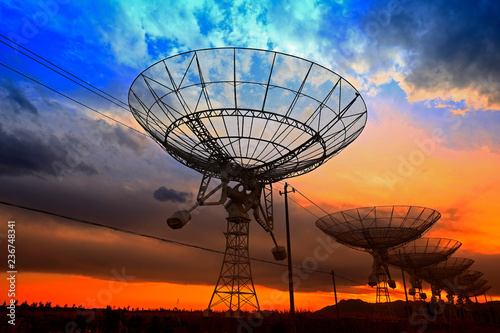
(463, 282)
(460, 283)
(248, 116)
(462, 289)
(375, 230)
(421, 253)
(440, 274)
(480, 291)
(447, 269)
(467, 278)
(466, 285)
(256, 114)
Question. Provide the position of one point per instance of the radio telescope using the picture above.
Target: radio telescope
(438, 274)
(375, 230)
(419, 254)
(251, 117)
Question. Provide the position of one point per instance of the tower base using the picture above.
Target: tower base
(235, 288)
(383, 304)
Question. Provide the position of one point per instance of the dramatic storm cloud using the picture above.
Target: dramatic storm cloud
(24, 153)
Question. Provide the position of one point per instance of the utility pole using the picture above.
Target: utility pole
(406, 294)
(335, 291)
(289, 250)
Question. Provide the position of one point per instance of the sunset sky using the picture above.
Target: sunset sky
(428, 73)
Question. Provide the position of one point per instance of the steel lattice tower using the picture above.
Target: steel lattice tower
(235, 288)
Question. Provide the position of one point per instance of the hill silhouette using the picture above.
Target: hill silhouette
(356, 306)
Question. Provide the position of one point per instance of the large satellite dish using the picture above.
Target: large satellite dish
(376, 230)
(467, 278)
(464, 286)
(256, 114)
(419, 254)
(248, 116)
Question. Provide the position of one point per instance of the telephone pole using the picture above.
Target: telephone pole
(289, 250)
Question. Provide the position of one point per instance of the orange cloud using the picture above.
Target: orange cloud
(475, 98)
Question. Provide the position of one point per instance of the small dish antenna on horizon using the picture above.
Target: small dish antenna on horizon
(376, 230)
(421, 253)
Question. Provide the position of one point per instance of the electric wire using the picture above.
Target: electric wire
(311, 201)
(161, 239)
(122, 104)
(310, 212)
(303, 195)
(72, 99)
(43, 64)
(298, 204)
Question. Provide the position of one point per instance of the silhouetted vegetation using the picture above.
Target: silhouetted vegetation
(355, 316)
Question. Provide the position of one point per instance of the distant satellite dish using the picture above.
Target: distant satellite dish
(377, 230)
(439, 275)
(419, 254)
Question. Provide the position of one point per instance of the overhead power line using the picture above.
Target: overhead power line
(304, 196)
(81, 82)
(324, 211)
(72, 99)
(161, 239)
(306, 209)
(298, 204)
(310, 212)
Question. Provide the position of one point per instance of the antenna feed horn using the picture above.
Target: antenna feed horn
(179, 219)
